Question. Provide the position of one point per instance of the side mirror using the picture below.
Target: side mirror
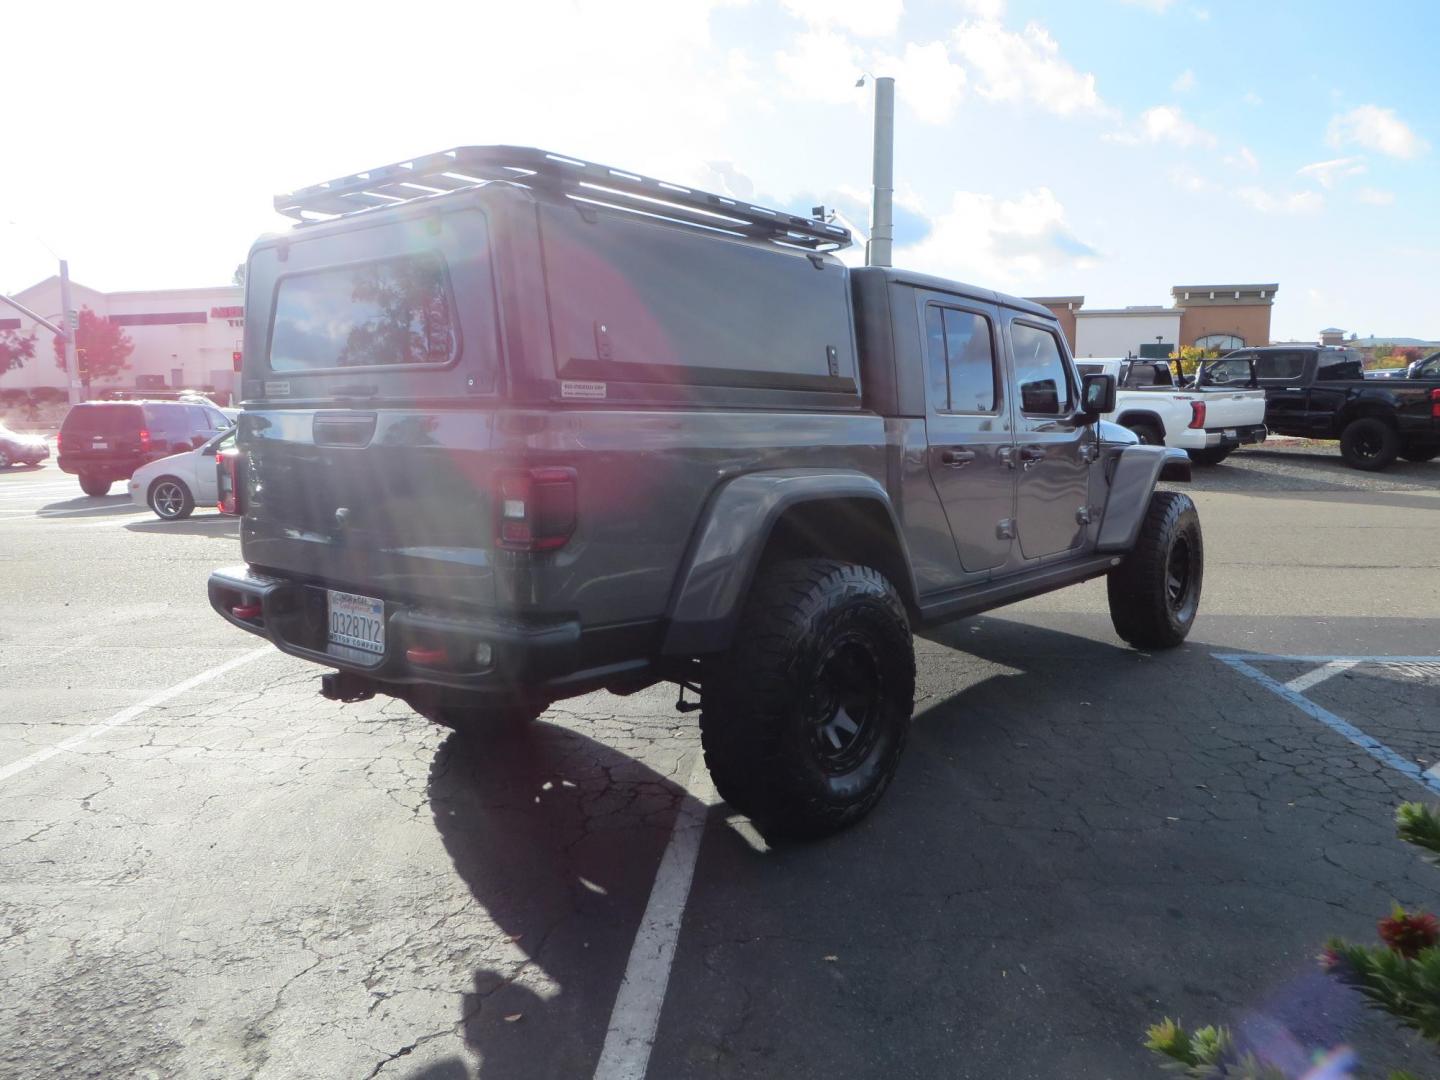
(1097, 396)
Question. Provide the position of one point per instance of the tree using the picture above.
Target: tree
(15, 350)
(102, 348)
(238, 277)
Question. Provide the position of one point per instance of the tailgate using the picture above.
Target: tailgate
(1233, 408)
(391, 503)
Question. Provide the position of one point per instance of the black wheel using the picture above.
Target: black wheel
(171, 499)
(1369, 443)
(804, 719)
(1420, 453)
(1149, 434)
(1210, 456)
(94, 485)
(1155, 592)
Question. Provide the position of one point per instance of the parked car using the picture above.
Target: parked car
(18, 449)
(105, 441)
(1320, 392)
(175, 485)
(718, 458)
(1207, 422)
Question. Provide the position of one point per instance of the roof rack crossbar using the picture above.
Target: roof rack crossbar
(468, 166)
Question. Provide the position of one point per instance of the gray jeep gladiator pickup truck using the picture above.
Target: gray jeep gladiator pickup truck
(518, 427)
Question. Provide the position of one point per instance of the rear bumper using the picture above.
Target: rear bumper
(111, 468)
(1229, 438)
(536, 659)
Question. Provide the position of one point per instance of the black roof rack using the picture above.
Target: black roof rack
(582, 181)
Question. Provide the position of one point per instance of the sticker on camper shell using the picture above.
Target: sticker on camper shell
(588, 391)
(277, 388)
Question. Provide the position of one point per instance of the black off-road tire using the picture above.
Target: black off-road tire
(1369, 444)
(1213, 455)
(170, 498)
(818, 641)
(1420, 453)
(1148, 434)
(94, 486)
(1155, 592)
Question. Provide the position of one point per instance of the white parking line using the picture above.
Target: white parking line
(636, 1016)
(124, 716)
(1319, 675)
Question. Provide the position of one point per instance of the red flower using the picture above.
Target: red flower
(1408, 933)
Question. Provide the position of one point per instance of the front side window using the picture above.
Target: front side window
(1280, 365)
(1039, 371)
(392, 311)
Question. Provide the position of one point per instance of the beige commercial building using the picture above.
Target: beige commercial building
(1209, 316)
(183, 338)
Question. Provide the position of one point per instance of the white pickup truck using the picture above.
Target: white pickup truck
(1205, 421)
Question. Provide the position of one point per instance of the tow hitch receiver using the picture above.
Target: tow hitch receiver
(346, 686)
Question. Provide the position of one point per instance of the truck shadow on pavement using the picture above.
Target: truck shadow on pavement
(558, 836)
(1077, 844)
(216, 525)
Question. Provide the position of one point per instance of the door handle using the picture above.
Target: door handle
(957, 457)
(1029, 455)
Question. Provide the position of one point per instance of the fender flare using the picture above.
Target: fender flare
(1146, 415)
(1132, 482)
(725, 551)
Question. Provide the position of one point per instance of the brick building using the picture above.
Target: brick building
(1210, 316)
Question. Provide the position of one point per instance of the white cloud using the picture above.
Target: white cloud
(1190, 180)
(1200, 14)
(1285, 202)
(1375, 128)
(1328, 173)
(1244, 159)
(932, 84)
(984, 238)
(1252, 99)
(1184, 82)
(863, 18)
(983, 9)
(1024, 67)
(1164, 123)
(1375, 197)
(1157, 6)
(822, 66)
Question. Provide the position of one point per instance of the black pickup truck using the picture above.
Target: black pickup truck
(1321, 393)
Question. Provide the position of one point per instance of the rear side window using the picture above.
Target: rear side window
(102, 420)
(1280, 365)
(1039, 371)
(962, 360)
(371, 314)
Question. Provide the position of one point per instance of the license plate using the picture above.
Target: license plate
(1229, 433)
(357, 622)
(99, 444)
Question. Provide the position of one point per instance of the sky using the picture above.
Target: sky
(1106, 148)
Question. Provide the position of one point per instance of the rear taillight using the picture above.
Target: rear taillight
(535, 509)
(1435, 404)
(227, 479)
(59, 442)
(144, 439)
(1197, 414)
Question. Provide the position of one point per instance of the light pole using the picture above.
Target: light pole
(882, 217)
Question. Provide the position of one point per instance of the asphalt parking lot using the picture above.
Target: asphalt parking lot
(210, 871)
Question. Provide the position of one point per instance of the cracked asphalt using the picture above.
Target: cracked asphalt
(246, 880)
